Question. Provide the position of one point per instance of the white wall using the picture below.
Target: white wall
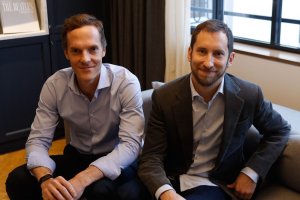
(279, 81)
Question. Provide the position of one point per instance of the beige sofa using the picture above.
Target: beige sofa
(283, 182)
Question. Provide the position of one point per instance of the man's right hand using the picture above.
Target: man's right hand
(170, 195)
(57, 189)
(54, 188)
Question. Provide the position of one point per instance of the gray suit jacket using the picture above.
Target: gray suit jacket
(168, 149)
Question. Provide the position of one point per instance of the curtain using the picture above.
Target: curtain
(138, 39)
(177, 36)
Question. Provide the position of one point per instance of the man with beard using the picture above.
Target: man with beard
(196, 131)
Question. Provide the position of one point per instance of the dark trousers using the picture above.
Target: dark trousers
(205, 192)
(20, 184)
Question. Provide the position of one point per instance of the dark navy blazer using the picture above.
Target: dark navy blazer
(168, 149)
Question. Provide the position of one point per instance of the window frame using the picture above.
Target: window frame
(276, 20)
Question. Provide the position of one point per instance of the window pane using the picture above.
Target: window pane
(254, 7)
(290, 35)
(290, 9)
(201, 10)
(253, 29)
(252, 19)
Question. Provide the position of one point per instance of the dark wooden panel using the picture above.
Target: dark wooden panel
(58, 60)
(58, 10)
(24, 66)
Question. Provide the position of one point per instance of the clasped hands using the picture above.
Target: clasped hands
(59, 188)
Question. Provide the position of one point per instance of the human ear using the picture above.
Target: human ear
(189, 56)
(66, 54)
(231, 58)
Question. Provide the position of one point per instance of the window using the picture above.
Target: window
(201, 10)
(269, 23)
(290, 25)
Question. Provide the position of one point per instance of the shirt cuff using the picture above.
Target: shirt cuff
(109, 169)
(162, 189)
(251, 173)
(37, 159)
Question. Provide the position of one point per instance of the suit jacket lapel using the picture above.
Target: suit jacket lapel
(182, 110)
(233, 108)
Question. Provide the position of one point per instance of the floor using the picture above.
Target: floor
(11, 160)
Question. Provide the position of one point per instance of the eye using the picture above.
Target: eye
(219, 53)
(74, 51)
(201, 51)
(94, 49)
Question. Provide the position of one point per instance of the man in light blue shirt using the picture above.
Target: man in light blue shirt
(102, 105)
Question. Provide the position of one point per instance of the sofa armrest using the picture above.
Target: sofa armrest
(290, 115)
(287, 167)
(289, 163)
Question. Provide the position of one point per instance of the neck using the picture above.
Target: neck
(207, 92)
(88, 88)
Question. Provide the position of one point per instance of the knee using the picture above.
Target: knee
(102, 189)
(15, 177)
(18, 181)
(133, 190)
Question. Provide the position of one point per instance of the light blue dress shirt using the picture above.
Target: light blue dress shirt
(112, 121)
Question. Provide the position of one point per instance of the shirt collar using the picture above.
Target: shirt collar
(105, 78)
(104, 81)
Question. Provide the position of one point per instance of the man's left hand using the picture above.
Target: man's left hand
(79, 188)
(84, 179)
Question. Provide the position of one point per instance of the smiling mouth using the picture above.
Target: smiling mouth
(86, 67)
(207, 71)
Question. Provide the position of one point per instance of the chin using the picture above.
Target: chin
(206, 83)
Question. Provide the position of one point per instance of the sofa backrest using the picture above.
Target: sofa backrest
(147, 105)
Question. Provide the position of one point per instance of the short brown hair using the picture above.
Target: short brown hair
(213, 25)
(80, 20)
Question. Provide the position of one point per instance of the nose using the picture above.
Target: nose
(85, 57)
(209, 61)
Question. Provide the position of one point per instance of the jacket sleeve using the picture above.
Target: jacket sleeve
(275, 133)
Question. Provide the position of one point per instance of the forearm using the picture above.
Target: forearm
(88, 176)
